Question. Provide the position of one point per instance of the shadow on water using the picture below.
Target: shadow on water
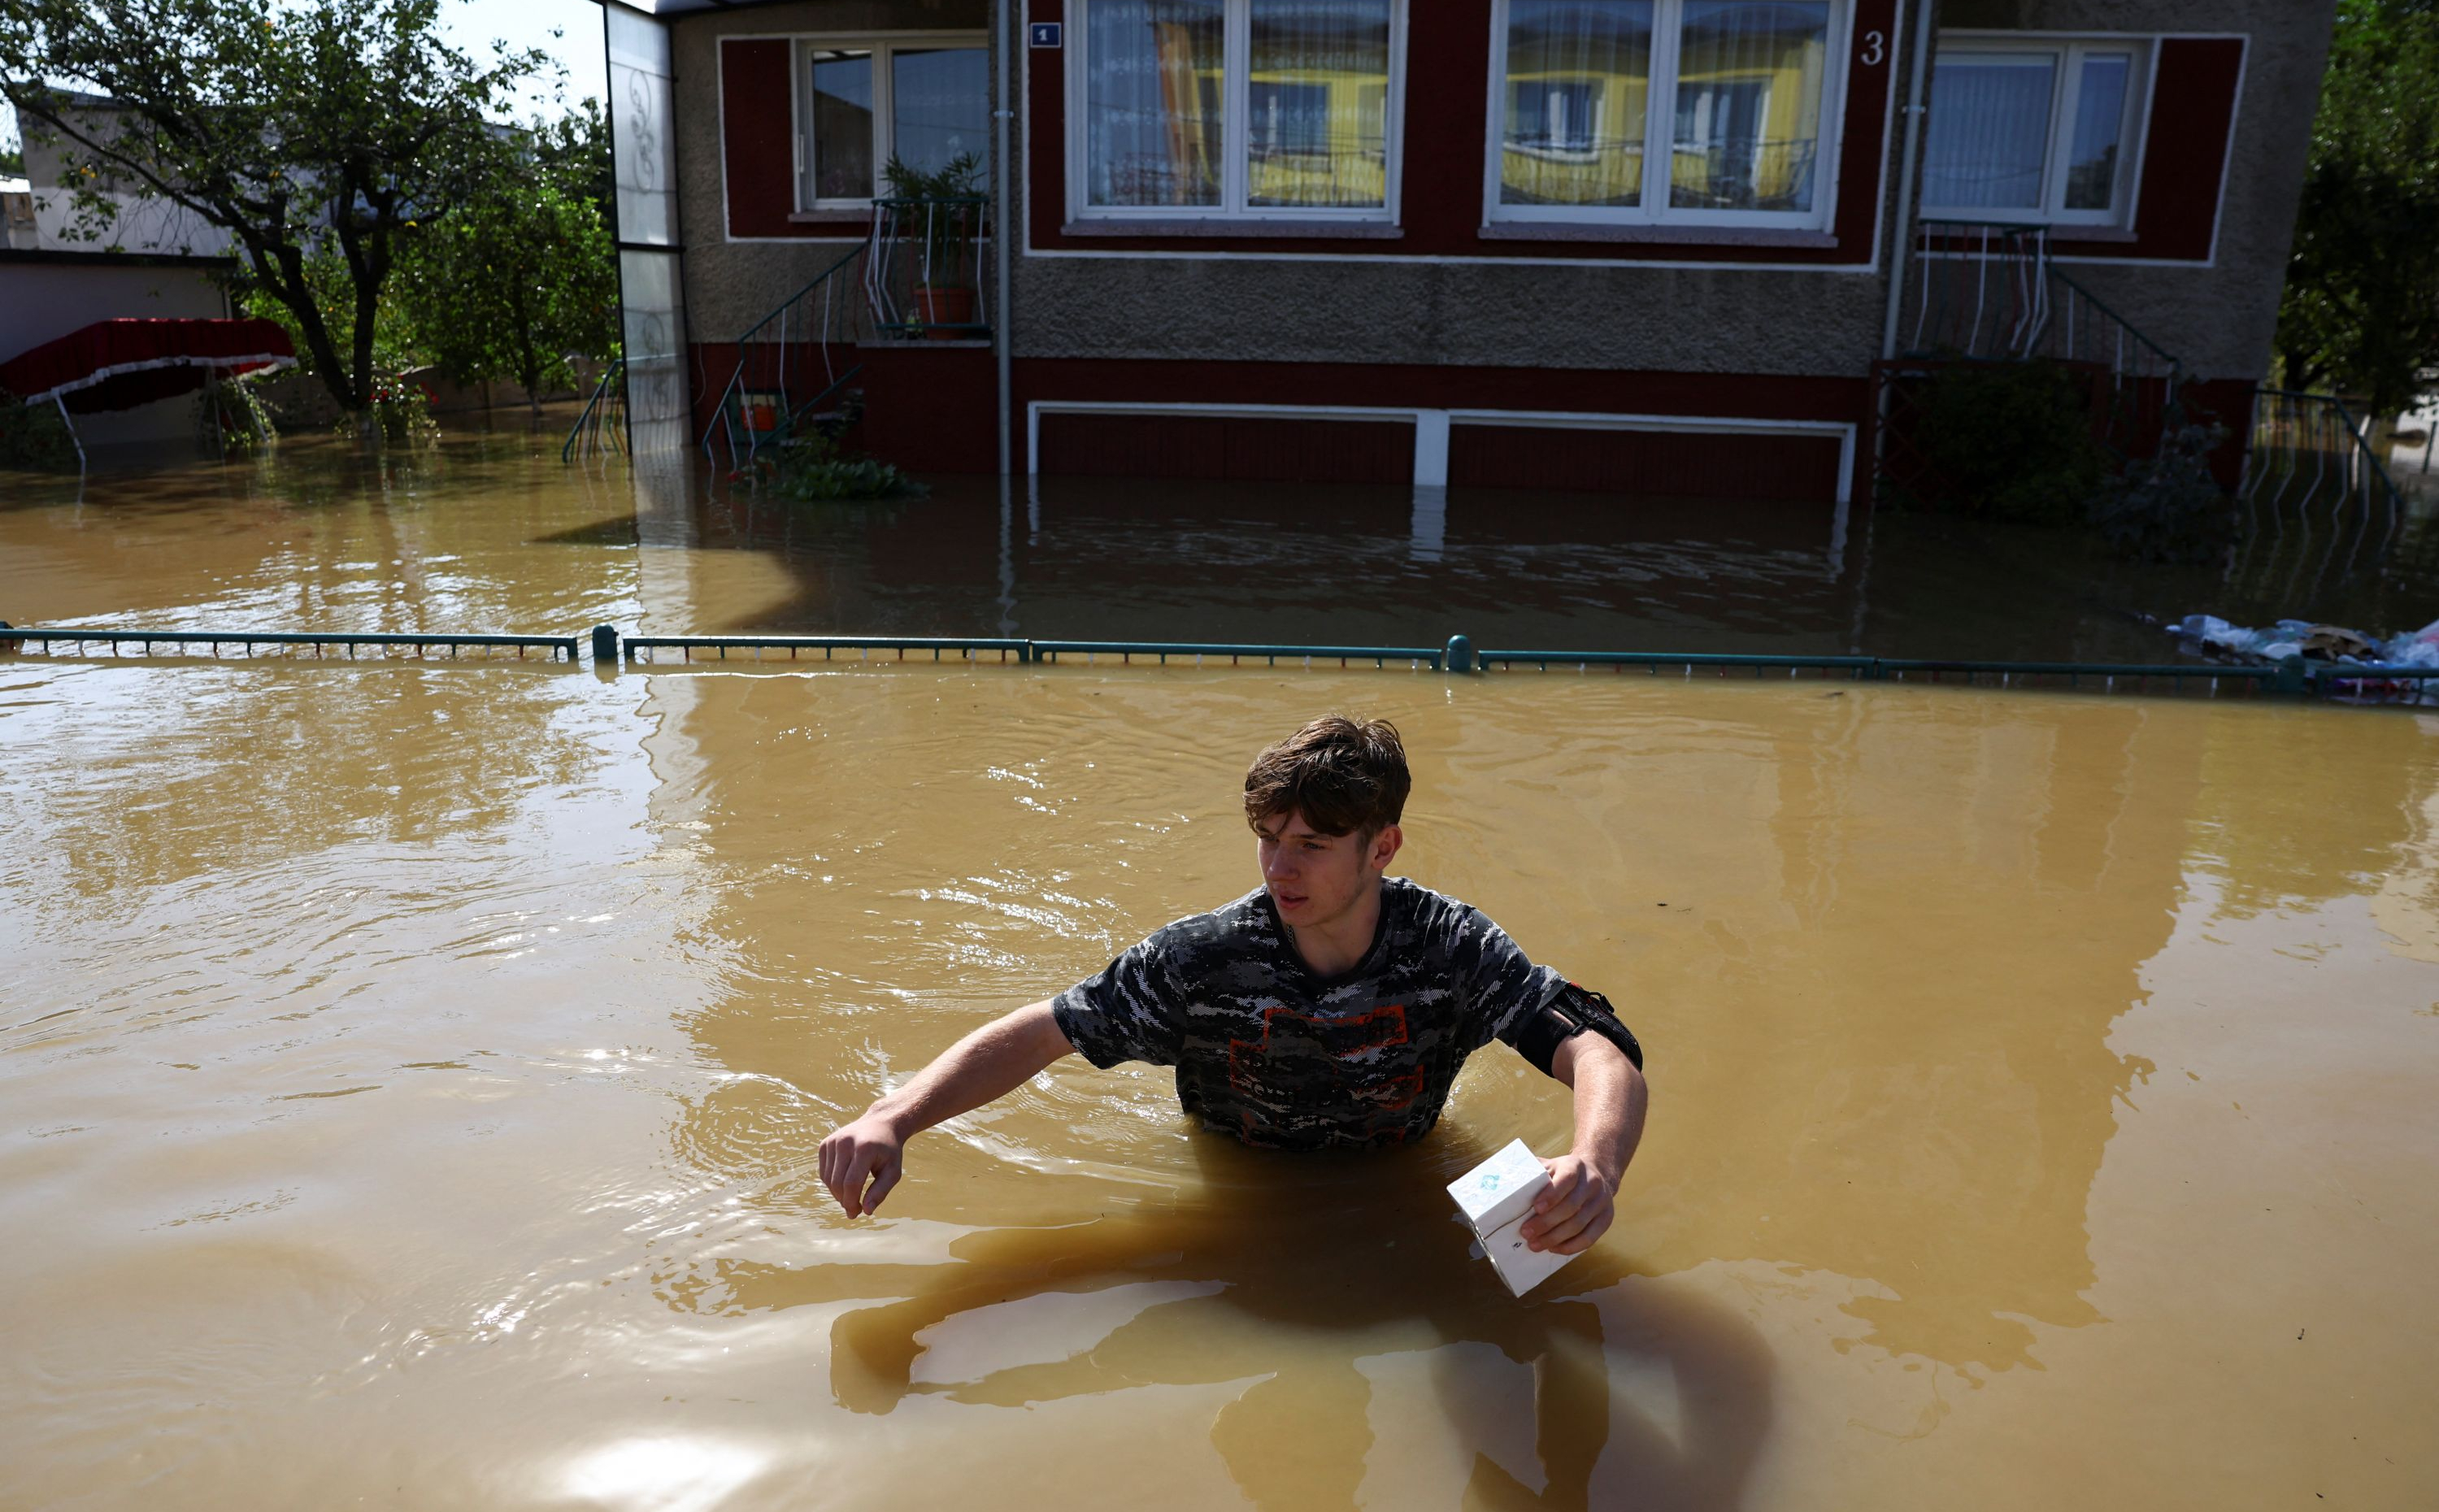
(1290, 1274)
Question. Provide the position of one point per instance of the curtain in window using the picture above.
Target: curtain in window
(1750, 78)
(1989, 131)
(842, 125)
(1578, 87)
(1317, 104)
(1152, 114)
(939, 102)
(2099, 122)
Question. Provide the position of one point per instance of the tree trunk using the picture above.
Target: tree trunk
(528, 361)
(283, 271)
(368, 302)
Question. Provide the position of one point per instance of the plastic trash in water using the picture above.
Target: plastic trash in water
(2333, 644)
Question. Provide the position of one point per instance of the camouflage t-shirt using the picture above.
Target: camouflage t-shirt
(1277, 1056)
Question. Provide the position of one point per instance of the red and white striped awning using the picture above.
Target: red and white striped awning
(116, 364)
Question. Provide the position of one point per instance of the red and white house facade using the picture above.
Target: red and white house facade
(1635, 245)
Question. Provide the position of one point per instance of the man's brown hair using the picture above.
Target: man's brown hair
(1346, 776)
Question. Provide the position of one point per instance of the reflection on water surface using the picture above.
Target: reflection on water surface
(1110, 559)
(412, 1073)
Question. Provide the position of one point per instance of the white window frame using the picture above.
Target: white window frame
(1236, 75)
(2069, 50)
(1660, 107)
(880, 44)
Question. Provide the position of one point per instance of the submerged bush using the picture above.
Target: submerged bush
(399, 412)
(2004, 441)
(232, 421)
(2168, 508)
(809, 468)
(34, 437)
(2021, 442)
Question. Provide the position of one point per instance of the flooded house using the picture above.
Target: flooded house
(1682, 246)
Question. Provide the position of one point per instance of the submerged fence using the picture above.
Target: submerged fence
(221, 644)
(2315, 505)
(2294, 677)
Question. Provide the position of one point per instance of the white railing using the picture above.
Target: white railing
(923, 274)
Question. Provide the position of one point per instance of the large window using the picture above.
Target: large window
(922, 101)
(2034, 129)
(1205, 109)
(1654, 112)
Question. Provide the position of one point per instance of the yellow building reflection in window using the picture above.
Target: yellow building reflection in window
(1740, 107)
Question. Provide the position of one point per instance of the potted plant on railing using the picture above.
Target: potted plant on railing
(947, 204)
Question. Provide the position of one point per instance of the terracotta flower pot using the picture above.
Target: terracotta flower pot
(937, 306)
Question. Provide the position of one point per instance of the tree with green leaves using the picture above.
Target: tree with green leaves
(308, 128)
(2361, 308)
(519, 281)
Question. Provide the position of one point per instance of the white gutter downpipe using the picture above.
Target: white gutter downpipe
(1902, 249)
(1000, 233)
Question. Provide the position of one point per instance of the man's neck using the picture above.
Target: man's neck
(1335, 948)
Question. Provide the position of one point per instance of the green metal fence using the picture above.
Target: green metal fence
(139, 641)
(1200, 655)
(642, 649)
(2293, 677)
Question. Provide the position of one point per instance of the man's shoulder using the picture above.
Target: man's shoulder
(1416, 907)
(1245, 923)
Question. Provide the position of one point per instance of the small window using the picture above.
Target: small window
(1210, 109)
(862, 103)
(2034, 131)
(1739, 94)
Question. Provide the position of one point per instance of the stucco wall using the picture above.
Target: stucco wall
(729, 285)
(1472, 315)
(1344, 310)
(1793, 321)
(2217, 319)
(42, 301)
(141, 223)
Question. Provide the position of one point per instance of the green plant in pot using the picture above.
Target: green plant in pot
(946, 206)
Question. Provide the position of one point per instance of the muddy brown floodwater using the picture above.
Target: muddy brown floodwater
(410, 1074)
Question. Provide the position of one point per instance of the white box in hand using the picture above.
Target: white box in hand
(1495, 1199)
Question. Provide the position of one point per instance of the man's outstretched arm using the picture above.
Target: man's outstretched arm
(986, 1065)
(1610, 1097)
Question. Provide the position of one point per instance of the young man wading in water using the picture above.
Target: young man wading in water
(1331, 1006)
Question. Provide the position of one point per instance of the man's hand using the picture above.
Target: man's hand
(1573, 1210)
(864, 1160)
(869, 1149)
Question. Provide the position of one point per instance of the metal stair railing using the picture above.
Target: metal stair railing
(1991, 292)
(597, 427)
(786, 369)
(1980, 289)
